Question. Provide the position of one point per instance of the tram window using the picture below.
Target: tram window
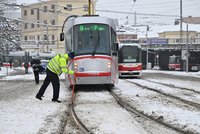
(129, 54)
(192, 60)
(174, 59)
(113, 39)
(68, 40)
(89, 38)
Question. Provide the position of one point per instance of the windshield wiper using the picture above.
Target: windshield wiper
(96, 45)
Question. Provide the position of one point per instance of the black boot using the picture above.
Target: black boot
(58, 101)
(38, 97)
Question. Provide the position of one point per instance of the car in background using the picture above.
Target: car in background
(43, 65)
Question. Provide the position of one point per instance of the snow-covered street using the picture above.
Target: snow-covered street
(21, 113)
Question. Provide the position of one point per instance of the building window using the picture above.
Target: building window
(25, 12)
(53, 22)
(32, 38)
(32, 11)
(177, 40)
(85, 8)
(45, 8)
(69, 7)
(45, 37)
(53, 8)
(53, 40)
(38, 14)
(25, 38)
(25, 25)
(38, 37)
(32, 25)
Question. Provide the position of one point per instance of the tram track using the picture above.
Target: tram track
(134, 110)
(80, 125)
(191, 103)
(174, 86)
(129, 109)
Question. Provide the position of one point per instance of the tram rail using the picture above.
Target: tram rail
(128, 108)
(194, 104)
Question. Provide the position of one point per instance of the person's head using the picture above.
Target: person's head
(70, 55)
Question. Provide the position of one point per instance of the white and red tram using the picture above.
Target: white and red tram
(93, 39)
(130, 64)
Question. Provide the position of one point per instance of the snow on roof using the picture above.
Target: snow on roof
(42, 54)
(154, 30)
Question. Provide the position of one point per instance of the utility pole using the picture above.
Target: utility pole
(47, 37)
(187, 50)
(135, 18)
(147, 58)
(7, 58)
(181, 22)
(89, 7)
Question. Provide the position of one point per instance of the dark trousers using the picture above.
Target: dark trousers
(36, 74)
(53, 78)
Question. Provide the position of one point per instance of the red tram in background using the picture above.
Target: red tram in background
(176, 63)
(130, 64)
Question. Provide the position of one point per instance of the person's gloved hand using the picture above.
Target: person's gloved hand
(71, 72)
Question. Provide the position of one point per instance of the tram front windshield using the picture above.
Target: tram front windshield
(91, 39)
(129, 54)
(174, 60)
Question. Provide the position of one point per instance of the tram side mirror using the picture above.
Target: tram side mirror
(61, 36)
(116, 46)
(114, 53)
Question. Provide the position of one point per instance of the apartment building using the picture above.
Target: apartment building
(174, 36)
(43, 23)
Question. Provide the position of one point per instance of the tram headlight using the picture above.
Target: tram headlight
(75, 66)
(109, 66)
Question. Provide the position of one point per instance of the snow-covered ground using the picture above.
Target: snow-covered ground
(21, 113)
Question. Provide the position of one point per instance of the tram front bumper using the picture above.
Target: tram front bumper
(94, 78)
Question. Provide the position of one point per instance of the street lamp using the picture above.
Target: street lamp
(147, 58)
(187, 49)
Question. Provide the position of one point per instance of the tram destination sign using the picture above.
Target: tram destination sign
(91, 27)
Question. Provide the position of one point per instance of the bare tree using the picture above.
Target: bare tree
(9, 29)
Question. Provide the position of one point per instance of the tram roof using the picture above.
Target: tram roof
(91, 19)
(129, 44)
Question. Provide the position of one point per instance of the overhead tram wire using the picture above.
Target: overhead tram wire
(111, 3)
(24, 21)
(27, 6)
(143, 5)
(122, 12)
(165, 19)
(60, 5)
(131, 9)
(31, 22)
(153, 5)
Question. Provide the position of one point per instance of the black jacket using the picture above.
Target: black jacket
(35, 64)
